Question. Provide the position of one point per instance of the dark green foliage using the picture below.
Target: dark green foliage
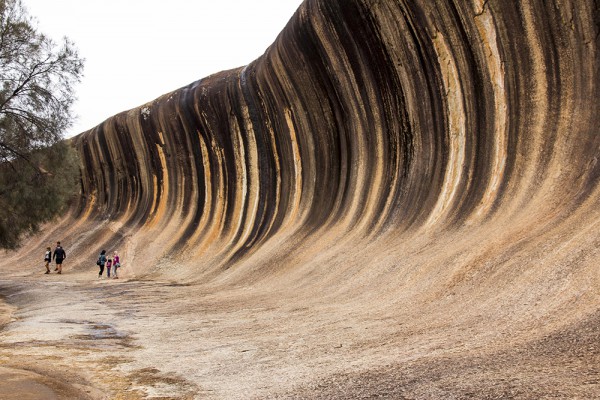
(37, 171)
(30, 196)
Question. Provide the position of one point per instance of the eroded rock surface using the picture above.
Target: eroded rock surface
(365, 120)
(417, 181)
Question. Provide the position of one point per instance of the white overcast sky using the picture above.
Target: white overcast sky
(137, 50)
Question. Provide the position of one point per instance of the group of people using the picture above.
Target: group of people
(113, 264)
(58, 256)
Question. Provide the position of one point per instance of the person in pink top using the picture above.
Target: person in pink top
(116, 264)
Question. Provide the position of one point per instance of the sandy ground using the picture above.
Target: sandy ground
(74, 336)
(411, 215)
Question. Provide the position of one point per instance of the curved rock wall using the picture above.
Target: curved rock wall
(376, 141)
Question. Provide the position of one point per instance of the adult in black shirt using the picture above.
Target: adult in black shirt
(58, 256)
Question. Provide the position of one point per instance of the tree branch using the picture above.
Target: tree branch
(33, 73)
(37, 169)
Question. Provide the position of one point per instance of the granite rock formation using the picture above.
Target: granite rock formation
(397, 199)
(470, 123)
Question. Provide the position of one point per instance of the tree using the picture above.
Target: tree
(38, 169)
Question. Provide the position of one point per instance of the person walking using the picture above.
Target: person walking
(116, 264)
(101, 261)
(48, 259)
(59, 255)
(108, 265)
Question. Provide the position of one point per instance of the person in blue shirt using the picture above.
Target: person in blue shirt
(101, 261)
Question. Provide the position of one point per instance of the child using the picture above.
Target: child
(108, 265)
(117, 265)
(48, 258)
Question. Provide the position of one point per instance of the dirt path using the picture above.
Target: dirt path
(78, 334)
(151, 340)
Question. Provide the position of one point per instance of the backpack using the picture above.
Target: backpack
(101, 258)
